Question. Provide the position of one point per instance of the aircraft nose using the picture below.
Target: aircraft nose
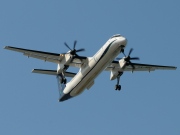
(123, 41)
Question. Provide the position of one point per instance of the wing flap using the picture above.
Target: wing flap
(52, 72)
(47, 56)
(138, 67)
(148, 67)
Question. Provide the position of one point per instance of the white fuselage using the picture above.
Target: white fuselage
(93, 67)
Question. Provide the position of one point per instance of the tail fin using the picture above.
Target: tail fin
(61, 86)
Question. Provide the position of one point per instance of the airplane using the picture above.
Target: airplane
(89, 67)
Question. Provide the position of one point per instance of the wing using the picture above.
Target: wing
(138, 67)
(47, 56)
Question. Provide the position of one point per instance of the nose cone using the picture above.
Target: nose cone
(124, 41)
(65, 97)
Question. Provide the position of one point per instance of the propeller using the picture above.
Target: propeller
(73, 51)
(128, 58)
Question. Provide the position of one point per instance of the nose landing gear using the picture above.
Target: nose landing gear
(117, 86)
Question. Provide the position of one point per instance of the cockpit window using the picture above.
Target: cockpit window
(117, 35)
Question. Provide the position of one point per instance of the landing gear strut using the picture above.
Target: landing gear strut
(117, 86)
(62, 79)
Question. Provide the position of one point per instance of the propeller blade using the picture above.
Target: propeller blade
(73, 51)
(75, 44)
(67, 46)
(124, 54)
(135, 58)
(122, 50)
(128, 58)
(80, 50)
(130, 51)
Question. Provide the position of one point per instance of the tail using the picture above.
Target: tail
(61, 86)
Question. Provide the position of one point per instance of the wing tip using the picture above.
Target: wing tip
(172, 67)
(6, 47)
(32, 71)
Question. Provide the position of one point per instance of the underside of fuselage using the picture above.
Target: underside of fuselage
(65, 97)
(101, 63)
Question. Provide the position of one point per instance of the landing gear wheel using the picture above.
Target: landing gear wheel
(63, 80)
(118, 87)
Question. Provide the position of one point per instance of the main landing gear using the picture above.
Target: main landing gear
(62, 80)
(117, 86)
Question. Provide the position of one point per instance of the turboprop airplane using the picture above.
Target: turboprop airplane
(89, 67)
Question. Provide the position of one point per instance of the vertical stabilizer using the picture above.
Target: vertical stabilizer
(61, 86)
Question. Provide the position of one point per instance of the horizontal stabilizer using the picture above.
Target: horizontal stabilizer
(52, 72)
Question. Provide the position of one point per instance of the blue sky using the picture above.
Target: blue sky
(148, 102)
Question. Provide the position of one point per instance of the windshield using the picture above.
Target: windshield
(117, 35)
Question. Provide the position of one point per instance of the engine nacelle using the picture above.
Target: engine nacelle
(122, 63)
(113, 74)
(65, 61)
(60, 68)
